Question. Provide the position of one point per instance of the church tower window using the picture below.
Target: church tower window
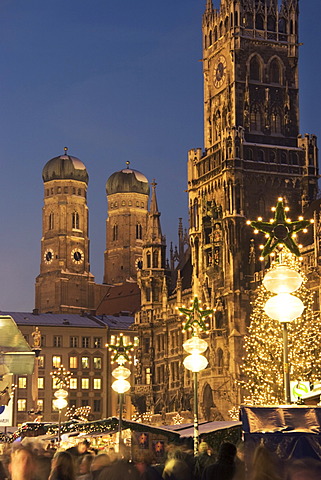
(75, 221)
(255, 70)
(256, 118)
(51, 221)
(259, 22)
(155, 259)
(148, 258)
(139, 231)
(271, 24)
(275, 71)
(115, 232)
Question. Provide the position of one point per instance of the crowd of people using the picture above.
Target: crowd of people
(80, 462)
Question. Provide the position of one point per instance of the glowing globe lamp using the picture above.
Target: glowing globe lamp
(195, 362)
(282, 280)
(284, 307)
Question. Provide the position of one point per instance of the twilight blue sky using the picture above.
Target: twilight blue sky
(114, 80)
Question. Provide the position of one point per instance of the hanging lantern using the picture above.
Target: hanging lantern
(195, 362)
(284, 307)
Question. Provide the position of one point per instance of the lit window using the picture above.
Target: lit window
(22, 404)
(40, 404)
(148, 376)
(73, 384)
(97, 342)
(85, 362)
(22, 382)
(56, 361)
(73, 362)
(41, 361)
(85, 383)
(85, 342)
(97, 383)
(41, 383)
(97, 363)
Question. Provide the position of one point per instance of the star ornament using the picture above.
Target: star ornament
(195, 316)
(121, 351)
(280, 231)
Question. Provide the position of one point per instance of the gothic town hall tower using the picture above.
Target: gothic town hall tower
(253, 154)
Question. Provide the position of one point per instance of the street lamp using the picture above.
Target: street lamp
(284, 307)
(61, 379)
(121, 350)
(195, 346)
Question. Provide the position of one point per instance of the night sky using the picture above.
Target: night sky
(114, 81)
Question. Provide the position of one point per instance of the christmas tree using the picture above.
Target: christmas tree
(262, 366)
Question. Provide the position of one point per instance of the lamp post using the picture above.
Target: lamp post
(284, 307)
(195, 346)
(61, 379)
(121, 350)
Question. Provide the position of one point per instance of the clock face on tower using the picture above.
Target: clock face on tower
(77, 256)
(48, 256)
(219, 71)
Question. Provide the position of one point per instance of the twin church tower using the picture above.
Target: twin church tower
(65, 284)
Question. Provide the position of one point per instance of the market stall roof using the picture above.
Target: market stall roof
(187, 429)
(16, 355)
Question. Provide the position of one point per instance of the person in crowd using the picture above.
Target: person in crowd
(304, 469)
(176, 467)
(266, 465)
(22, 464)
(203, 459)
(224, 468)
(144, 466)
(99, 464)
(80, 449)
(84, 472)
(120, 470)
(62, 467)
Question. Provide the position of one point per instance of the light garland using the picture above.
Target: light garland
(262, 364)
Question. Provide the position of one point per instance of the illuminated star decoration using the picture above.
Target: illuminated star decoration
(121, 351)
(280, 231)
(61, 377)
(195, 316)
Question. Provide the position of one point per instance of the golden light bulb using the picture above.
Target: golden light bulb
(260, 219)
(256, 231)
(287, 209)
(300, 218)
(305, 230)
(311, 220)
(273, 209)
(261, 258)
(267, 235)
(261, 247)
(248, 222)
(280, 199)
(271, 220)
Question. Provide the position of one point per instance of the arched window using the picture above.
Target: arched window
(195, 213)
(75, 220)
(259, 22)
(250, 154)
(215, 34)
(210, 38)
(226, 24)
(249, 20)
(115, 232)
(219, 361)
(275, 71)
(219, 321)
(255, 69)
(139, 231)
(148, 258)
(236, 19)
(220, 33)
(51, 222)
(271, 23)
(260, 156)
(155, 259)
(275, 121)
(282, 25)
(272, 157)
(256, 118)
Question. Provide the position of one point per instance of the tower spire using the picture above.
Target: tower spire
(209, 6)
(154, 231)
